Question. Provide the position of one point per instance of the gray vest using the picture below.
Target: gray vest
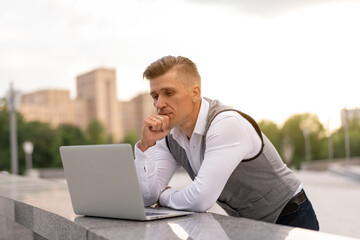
(258, 188)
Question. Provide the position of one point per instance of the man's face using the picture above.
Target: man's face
(174, 99)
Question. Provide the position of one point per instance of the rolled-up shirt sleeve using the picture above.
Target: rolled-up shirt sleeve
(229, 140)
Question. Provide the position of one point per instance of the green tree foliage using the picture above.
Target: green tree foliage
(5, 155)
(338, 138)
(4, 140)
(354, 138)
(66, 135)
(95, 133)
(294, 129)
(40, 134)
(43, 137)
(272, 132)
(132, 137)
(47, 140)
(354, 135)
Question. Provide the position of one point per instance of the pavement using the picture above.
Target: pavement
(335, 198)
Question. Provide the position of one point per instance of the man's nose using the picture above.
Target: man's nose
(160, 103)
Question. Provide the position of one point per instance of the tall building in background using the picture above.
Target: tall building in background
(134, 112)
(96, 94)
(52, 106)
(96, 99)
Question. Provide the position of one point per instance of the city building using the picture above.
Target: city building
(51, 106)
(135, 111)
(96, 98)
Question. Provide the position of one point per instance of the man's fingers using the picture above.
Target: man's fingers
(155, 127)
(157, 122)
(150, 123)
(165, 123)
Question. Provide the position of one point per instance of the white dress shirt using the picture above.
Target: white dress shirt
(230, 139)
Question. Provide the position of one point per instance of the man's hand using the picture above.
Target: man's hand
(158, 205)
(155, 127)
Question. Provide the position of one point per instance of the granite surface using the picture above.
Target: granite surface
(32, 208)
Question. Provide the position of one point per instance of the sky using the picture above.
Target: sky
(270, 59)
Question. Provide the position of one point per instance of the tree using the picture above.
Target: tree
(43, 137)
(5, 154)
(95, 133)
(66, 135)
(132, 137)
(272, 132)
(4, 140)
(354, 138)
(40, 134)
(294, 129)
(46, 140)
(354, 135)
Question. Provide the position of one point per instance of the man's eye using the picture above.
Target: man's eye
(155, 97)
(169, 93)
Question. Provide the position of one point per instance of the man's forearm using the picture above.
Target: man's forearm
(154, 175)
(147, 176)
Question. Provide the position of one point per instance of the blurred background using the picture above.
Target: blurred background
(71, 73)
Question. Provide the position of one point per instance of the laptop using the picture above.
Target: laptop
(103, 182)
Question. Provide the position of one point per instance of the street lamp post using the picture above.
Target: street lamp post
(306, 125)
(13, 98)
(330, 142)
(305, 131)
(288, 149)
(347, 140)
(28, 149)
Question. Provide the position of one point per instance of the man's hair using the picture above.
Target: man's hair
(184, 67)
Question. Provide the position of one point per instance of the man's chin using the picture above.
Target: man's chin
(171, 125)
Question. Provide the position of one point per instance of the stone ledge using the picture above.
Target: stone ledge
(32, 208)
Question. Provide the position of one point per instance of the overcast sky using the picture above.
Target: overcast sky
(270, 59)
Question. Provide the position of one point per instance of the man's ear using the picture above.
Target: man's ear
(196, 92)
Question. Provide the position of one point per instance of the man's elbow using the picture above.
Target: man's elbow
(202, 206)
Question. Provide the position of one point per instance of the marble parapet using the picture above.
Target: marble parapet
(32, 208)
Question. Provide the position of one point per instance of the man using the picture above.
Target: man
(223, 150)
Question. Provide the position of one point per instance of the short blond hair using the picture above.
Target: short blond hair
(185, 68)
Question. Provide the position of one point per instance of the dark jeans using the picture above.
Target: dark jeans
(304, 217)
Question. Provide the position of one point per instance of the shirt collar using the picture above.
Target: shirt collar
(200, 122)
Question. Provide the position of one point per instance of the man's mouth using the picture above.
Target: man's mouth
(165, 113)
